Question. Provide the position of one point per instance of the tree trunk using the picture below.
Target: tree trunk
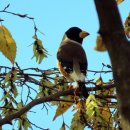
(113, 35)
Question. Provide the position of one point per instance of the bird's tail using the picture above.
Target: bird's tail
(83, 89)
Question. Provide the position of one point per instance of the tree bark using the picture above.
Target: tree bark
(113, 35)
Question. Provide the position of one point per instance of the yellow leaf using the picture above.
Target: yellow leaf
(92, 108)
(119, 1)
(100, 46)
(127, 26)
(7, 44)
(99, 81)
(98, 113)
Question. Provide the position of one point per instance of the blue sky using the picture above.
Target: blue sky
(53, 18)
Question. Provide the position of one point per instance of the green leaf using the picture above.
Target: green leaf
(26, 125)
(19, 105)
(39, 51)
(99, 113)
(20, 124)
(41, 57)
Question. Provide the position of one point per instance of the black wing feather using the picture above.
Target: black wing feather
(70, 51)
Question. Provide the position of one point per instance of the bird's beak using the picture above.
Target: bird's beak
(83, 34)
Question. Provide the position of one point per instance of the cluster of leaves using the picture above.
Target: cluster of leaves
(8, 44)
(14, 81)
(95, 112)
(39, 51)
(100, 46)
(9, 101)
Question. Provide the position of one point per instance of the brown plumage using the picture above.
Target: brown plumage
(72, 60)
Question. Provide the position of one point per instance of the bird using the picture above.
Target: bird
(71, 58)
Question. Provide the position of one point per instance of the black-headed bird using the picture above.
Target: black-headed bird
(71, 57)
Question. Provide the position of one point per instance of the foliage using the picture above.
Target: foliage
(39, 51)
(98, 111)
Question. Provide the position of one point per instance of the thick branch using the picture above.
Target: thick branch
(111, 30)
(53, 97)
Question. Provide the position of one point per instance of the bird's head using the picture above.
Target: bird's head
(76, 34)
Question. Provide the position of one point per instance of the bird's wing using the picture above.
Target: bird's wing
(69, 51)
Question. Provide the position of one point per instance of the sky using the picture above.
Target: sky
(53, 18)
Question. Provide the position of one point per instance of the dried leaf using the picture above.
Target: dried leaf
(39, 51)
(46, 83)
(100, 46)
(7, 77)
(62, 107)
(14, 90)
(63, 126)
(127, 26)
(78, 106)
(7, 44)
(119, 1)
(99, 81)
(48, 72)
(77, 123)
(106, 114)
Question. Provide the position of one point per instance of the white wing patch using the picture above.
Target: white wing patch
(77, 75)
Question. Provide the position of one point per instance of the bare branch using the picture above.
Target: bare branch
(47, 99)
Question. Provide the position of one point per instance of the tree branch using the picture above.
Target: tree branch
(53, 97)
(113, 35)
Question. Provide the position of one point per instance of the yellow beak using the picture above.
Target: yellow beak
(83, 34)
